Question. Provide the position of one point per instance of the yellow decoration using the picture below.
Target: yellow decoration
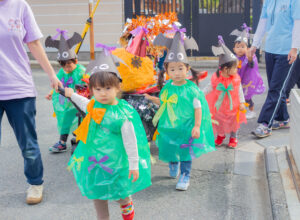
(95, 113)
(167, 104)
(137, 74)
(246, 87)
(76, 160)
(85, 76)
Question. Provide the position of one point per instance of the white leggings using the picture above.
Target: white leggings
(101, 207)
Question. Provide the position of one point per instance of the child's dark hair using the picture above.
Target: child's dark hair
(229, 65)
(161, 74)
(64, 62)
(103, 79)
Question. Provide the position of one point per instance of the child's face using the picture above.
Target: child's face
(105, 95)
(177, 71)
(69, 66)
(240, 49)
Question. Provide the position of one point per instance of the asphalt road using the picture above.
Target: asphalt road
(216, 190)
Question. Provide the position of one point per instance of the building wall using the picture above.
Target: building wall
(72, 15)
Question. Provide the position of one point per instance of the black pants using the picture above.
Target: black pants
(278, 75)
(295, 78)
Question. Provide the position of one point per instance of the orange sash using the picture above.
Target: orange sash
(96, 114)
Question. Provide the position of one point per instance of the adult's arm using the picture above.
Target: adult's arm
(39, 54)
(295, 8)
(260, 32)
(292, 56)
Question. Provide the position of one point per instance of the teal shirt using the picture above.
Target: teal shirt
(280, 15)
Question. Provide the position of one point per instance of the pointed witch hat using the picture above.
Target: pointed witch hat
(243, 36)
(105, 62)
(225, 55)
(139, 42)
(177, 46)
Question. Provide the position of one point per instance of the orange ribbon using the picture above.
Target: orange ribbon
(240, 65)
(96, 114)
(155, 135)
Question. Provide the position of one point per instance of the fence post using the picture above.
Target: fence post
(187, 17)
(137, 5)
(247, 12)
(128, 6)
(256, 10)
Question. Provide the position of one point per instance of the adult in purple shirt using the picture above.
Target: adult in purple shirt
(17, 92)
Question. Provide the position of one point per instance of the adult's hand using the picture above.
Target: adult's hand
(292, 56)
(252, 51)
(39, 54)
(55, 83)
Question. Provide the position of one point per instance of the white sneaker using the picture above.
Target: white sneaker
(250, 114)
(34, 194)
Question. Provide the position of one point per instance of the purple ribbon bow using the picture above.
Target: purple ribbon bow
(245, 27)
(106, 48)
(138, 30)
(65, 84)
(59, 32)
(190, 145)
(102, 160)
(221, 40)
(175, 29)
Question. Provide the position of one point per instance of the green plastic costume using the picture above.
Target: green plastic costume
(64, 110)
(176, 120)
(101, 166)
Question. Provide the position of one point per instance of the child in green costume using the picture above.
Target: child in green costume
(112, 159)
(70, 74)
(184, 123)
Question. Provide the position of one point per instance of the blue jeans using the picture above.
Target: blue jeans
(21, 116)
(275, 105)
(185, 167)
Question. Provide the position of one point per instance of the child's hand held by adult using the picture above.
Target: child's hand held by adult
(249, 54)
(69, 92)
(252, 51)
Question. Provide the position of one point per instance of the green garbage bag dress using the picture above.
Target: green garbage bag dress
(64, 110)
(101, 166)
(176, 121)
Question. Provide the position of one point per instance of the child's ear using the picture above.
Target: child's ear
(76, 61)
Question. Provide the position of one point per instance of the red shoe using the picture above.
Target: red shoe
(232, 142)
(128, 211)
(219, 140)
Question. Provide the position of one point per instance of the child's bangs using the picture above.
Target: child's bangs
(104, 79)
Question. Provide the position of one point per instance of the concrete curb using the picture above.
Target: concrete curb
(276, 189)
(249, 183)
